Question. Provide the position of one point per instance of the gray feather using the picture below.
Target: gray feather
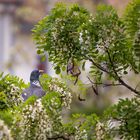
(33, 90)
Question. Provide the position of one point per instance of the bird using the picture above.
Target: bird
(35, 87)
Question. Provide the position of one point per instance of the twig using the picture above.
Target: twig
(58, 137)
(95, 90)
(81, 99)
(104, 85)
(119, 78)
(98, 66)
(71, 68)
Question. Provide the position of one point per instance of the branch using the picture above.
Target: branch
(115, 72)
(59, 137)
(119, 78)
(104, 85)
(94, 88)
(97, 65)
(81, 99)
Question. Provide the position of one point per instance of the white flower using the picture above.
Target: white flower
(80, 38)
(4, 132)
(75, 13)
(89, 20)
(86, 31)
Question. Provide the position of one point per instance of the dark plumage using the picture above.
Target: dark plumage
(35, 87)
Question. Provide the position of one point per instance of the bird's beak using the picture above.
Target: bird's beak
(41, 71)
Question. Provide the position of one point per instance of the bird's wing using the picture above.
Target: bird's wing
(33, 90)
(26, 93)
(38, 91)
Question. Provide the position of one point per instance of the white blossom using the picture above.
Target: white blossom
(80, 38)
(5, 133)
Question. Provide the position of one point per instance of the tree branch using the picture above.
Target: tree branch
(115, 72)
(97, 65)
(64, 137)
(59, 137)
(104, 85)
(119, 78)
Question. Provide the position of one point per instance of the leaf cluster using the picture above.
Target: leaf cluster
(132, 22)
(124, 119)
(42, 118)
(58, 34)
(72, 33)
(10, 90)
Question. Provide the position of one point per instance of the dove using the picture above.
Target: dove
(35, 87)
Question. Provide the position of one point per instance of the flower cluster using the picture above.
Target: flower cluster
(34, 122)
(42, 120)
(100, 131)
(11, 87)
(60, 87)
(14, 95)
(4, 132)
(50, 84)
(80, 135)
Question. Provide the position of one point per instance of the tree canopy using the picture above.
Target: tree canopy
(71, 36)
(103, 38)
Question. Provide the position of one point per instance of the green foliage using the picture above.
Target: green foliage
(42, 118)
(3, 102)
(75, 35)
(124, 119)
(7, 117)
(52, 101)
(54, 86)
(72, 36)
(103, 39)
(58, 34)
(132, 17)
(10, 90)
(38, 119)
(86, 124)
(132, 22)
(4, 132)
(10, 96)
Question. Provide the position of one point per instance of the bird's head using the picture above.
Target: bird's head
(35, 74)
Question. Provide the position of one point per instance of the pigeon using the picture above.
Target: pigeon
(35, 87)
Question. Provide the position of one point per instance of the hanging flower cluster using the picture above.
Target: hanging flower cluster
(11, 87)
(14, 95)
(56, 85)
(4, 132)
(80, 134)
(62, 89)
(100, 131)
(41, 118)
(35, 123)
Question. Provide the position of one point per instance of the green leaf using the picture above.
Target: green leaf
(38, 51)
(57, 70)
(43, 58)
(125, 72)
(83, 65)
